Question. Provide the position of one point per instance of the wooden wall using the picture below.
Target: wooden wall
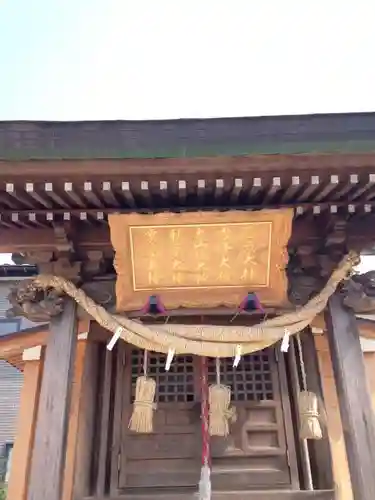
(340, 464)
(370, 369)
(11, 379)
(33, 368)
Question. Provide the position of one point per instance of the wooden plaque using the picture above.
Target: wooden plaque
(200, 259)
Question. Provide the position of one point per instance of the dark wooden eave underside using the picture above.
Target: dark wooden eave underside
(43, 193)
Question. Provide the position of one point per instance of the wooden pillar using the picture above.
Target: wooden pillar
(320, 452)
(76, 397)
(49, 452)
(354, 400)
(369, 358)
(341, 475)
(86, 422)
(17, 488)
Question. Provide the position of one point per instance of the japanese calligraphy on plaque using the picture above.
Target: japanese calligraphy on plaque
(200, 259)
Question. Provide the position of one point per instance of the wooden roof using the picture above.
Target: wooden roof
(61, 180)
(325, 133)
(53, 172)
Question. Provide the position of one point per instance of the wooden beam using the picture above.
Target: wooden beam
(366, 327)
(364, 188)
(272, 190)
(108, 194)
(145, 193)
(292, 189)
(37, 197)
(48, 460)
(51, 193)
(19, 240)
(236, 190)
(310, 189)
(127, 194)
(72, 194)
(90, 195)
(348, 188)
(14, 344)
(17, 488)
(232, 495)
(354, 399)
(328, 188)
(256, 188)
(41, 170)
(182, 191)
(163, 190)
(359, 230)
(219, 189)
(201, 190)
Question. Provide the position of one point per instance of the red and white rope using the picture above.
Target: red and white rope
(205, 413)
(205, 482)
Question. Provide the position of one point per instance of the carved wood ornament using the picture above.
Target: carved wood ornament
(40, 306)
(359, 293)
(33, 303)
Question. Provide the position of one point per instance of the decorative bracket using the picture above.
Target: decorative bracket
(359, 293)
(34, 303)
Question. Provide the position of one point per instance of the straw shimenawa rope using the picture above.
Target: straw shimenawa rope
(203, 340)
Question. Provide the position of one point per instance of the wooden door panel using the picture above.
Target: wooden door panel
(255, 454)
(169, 457)
(249, 479)
(156, 446)
(161, 474)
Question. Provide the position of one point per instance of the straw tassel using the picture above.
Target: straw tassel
(142, 420)
(310, 408)
(220, 413)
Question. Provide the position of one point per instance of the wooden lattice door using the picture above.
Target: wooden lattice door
(259, 452)
(168, 458)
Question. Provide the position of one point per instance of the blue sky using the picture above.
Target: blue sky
(108, 59)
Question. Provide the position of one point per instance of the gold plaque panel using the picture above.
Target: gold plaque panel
(200, 259)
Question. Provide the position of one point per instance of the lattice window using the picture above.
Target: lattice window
(250, 381)
(174, 386)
